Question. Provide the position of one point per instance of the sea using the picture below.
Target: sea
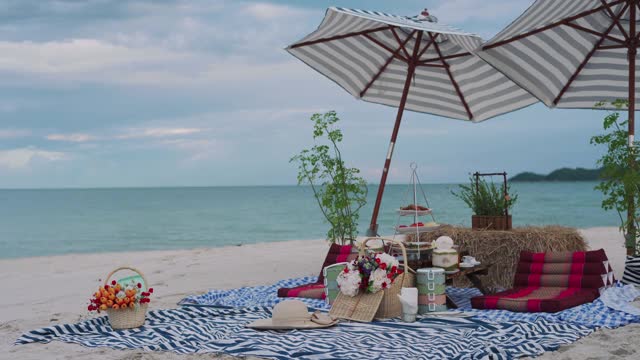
(52, 222)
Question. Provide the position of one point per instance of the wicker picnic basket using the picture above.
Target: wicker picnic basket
(390, 306)
(127, 318)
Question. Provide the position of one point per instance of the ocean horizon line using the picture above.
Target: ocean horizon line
(155, 187)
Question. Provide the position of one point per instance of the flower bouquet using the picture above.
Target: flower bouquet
(360, 298)
(125, 303)
(368, 274)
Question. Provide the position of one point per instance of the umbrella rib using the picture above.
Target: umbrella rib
(453, 80)
(382, 45)
(593, 32)
(550, 26)
(384, 67)
(611, 47)
(616, 20)
(339, 37)
(427, 47)
(588, 57)
(404, 50)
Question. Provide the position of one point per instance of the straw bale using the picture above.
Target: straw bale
(502, 248)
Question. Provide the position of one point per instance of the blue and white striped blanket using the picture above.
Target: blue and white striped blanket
(214, 323)
(198, 329)
(592, 315)
(254, 296)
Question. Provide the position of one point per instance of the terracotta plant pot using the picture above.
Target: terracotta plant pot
(491, 222)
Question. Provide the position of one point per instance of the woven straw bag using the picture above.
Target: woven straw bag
(127, 318)
(390, 305)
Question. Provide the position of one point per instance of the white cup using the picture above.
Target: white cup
(468, 259)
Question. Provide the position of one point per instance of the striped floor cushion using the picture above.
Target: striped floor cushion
(632, 271)
(337, 254)
(595, 268)
(561, 281)
(535, 299)
(564, 257)
(551, 282)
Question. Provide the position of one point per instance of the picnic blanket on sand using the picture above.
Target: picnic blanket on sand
(254, 296)
(592, 315)
(197, 329)
(215, 323)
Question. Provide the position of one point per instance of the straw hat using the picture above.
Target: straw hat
(293, 314)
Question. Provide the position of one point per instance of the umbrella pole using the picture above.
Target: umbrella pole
(632, 51)
(373, 226)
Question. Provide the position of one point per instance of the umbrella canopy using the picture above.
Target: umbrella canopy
(408, 62)
(573, 54)
(569, 54)
(371, 54)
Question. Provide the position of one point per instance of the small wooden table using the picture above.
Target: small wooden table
(473, 275)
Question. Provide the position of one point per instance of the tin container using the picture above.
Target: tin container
(431, 290)
(446, 259)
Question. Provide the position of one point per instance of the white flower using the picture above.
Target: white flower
(349, 282)
(387, 259)
(376, 280)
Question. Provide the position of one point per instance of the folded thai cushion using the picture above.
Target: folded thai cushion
(535, 299)
(561, 281)
(595, 268)
(564, 257)
(337, 254)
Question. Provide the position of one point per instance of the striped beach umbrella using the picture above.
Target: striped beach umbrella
(573, 54)
(411, 63)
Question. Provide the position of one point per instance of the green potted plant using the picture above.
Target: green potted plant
(488, 202)
(338, 189)
(620, 182)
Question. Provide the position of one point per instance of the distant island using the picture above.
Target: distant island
(564, 174)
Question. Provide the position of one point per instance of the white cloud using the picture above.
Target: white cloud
(75, 137)
(267, 11)
(76, 57)
(14, 133)
(135, 133)
(16, 159)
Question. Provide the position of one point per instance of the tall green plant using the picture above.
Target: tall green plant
(339, 191)
(620, 174)
(487, 199)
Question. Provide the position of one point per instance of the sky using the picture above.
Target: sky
(111, 93)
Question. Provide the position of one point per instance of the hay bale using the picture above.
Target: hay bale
(502, 248)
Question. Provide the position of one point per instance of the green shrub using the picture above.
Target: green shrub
(487, 199)
(339, 191)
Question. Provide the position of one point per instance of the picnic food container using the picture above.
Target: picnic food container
(431, 290)
(331, 273)
(446, 259)
(131, 317)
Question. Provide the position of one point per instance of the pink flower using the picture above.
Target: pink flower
(383, 266)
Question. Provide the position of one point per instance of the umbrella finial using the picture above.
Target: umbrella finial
(426, 16)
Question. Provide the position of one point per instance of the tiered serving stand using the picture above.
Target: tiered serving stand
(417, 251)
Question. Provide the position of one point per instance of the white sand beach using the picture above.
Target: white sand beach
(39, 292)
